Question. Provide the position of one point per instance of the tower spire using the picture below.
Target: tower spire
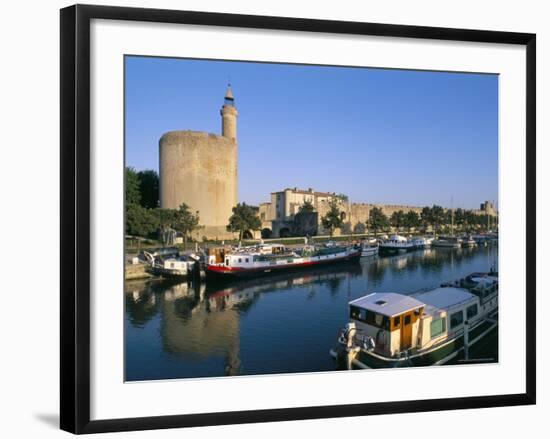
(229, 115)
(229, 98)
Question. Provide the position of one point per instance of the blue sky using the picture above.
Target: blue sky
(377, 135)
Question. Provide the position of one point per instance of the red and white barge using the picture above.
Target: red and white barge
(274, 258)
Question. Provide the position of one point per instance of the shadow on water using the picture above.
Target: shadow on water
(285, 322)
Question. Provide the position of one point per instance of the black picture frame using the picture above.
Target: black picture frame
(75, 217)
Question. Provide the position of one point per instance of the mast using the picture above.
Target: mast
(452, 217)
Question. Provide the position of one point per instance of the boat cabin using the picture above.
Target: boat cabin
(398, 322)
(245, 257)
(447, 310)
(391, 319)
(177, 264)
(396, 239)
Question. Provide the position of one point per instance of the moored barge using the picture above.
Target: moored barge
(267, 259)
(426, 328)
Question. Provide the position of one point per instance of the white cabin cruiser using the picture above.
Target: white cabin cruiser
(468, 241)
(396, 243)
(421, 242)
(447, 242)
(369, 247)
(174, 266)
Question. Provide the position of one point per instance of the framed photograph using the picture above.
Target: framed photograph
(268, 218)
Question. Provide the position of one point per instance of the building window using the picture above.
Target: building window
(437, 327)
(407, 320)
(457, 318)
(396, 321)
(471, 311)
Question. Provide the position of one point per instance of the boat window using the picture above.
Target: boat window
(227, 262)
(407, 320)
(396, 321)
(355, 313)
(437, 327)
(457, 318)
(246, 260)
(378, 320)
(240, 260)
(471, 311)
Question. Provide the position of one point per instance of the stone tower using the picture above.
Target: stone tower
(200, 170)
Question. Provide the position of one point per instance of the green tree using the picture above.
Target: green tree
(166, 220)
(411, 220)
(149, 188)
(397, 219)
(333, 218)
(132, 194)
(426, 216)
(140, 221)
(377, 220)
(186, 221)
(468, 220)
(460, 217)
(438, 216)
(307, 207)
(244, 218)
(360, 228)
(448, 218)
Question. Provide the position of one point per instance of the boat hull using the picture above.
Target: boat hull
(446, 245)
(171, 274)
(369, 251)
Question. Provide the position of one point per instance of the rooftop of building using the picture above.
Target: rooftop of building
(309, 191)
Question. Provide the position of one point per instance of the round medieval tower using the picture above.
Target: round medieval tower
(200, 170)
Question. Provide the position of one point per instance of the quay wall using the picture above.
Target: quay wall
(136, 271)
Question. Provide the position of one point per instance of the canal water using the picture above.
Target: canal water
(280, 324)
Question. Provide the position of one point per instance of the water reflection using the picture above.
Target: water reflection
(283, 323)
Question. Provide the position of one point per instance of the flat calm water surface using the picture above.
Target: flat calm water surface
(284, 323)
